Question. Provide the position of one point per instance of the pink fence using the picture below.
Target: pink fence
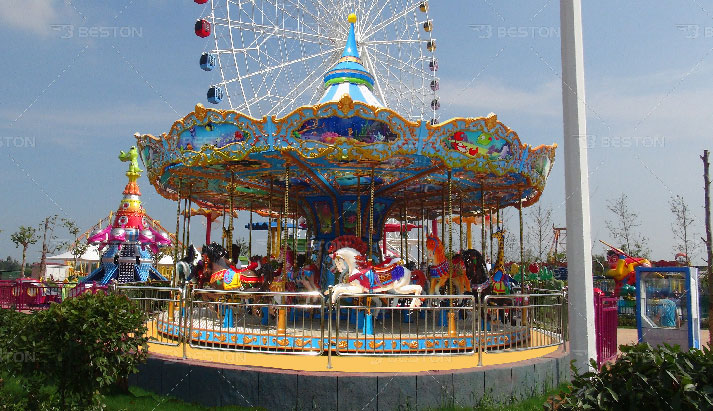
(24, 294)
(605, 322)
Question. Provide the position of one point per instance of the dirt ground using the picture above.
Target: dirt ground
(629, 336)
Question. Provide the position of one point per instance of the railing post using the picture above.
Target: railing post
(474, 313)
(183, 311)
(330, 307)
(565, 322)
(481, 325)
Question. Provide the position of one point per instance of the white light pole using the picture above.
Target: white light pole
(579, 242)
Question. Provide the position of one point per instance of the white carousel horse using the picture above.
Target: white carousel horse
(360, 277)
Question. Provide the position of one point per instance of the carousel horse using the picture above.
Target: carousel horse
(475, 269)
(304, 274)
(440, 267)
(358, 276)
(223, 275)
(188, 268)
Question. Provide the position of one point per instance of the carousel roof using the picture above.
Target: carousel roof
(333, 149)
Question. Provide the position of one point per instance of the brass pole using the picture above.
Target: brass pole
(401, 228)
(250, 233)
(452, 314)
(405, 229)
(482, 221)
(174, 280)
(450, 234)
(522, 253)
(359, 232)
(490, 223)
(183, 237)
(282, 311)
(460, 226)
(188, 231)
(269, 220)
(229, 240)
(371, 214)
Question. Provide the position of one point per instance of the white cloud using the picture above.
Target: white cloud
(32, 15)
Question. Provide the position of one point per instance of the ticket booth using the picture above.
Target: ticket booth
(667, 306)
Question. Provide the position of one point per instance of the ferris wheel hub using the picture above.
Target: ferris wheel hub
(352, 18)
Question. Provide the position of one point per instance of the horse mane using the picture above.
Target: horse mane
(348, 241)
(435, 245)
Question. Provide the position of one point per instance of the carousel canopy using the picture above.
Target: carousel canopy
(336, 149)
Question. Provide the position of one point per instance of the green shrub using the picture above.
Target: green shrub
(626, 321)
(81, 347)
(643, 378)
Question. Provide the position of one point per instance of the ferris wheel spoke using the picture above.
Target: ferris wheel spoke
(298, 5)
(397, 63)
(372, 17)
(390, 21)
(371, 68)
(388, 42)
(273, 30)
(312, 81)
(287, 64)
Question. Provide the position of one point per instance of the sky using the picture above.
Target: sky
(81, 77)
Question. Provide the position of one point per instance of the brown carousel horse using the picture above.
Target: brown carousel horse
(440, 268)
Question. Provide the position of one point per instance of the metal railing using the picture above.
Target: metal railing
(164, 308)
(385, 324)
(521, 321)
(30, 295)
(359, 324)
(267, 322)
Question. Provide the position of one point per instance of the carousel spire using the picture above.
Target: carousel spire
(349, 76)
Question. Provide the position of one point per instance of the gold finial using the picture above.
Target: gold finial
(352, 18)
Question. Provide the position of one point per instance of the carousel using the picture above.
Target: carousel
(327, 180)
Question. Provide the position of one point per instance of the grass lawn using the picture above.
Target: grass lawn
(138, 399)
(530, 404)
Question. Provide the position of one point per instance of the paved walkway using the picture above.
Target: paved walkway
(629, 336)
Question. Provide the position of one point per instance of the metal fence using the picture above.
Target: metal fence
(30, 295)
(269, 322)
(164, 308)
(522, 321)
(385, 324)
(360, 324)
(605, 326)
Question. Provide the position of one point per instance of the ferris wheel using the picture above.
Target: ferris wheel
(269, 57)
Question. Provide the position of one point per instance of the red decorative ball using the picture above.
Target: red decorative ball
(201, 1)
(534, 268)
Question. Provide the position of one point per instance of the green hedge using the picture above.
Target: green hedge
(643, 378)
(80, 348)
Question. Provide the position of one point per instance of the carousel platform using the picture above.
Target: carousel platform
(286, 381)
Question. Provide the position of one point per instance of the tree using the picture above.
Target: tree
(50, 245)
(24, 236)
(77, 248)
(681, 228)
(624, 227)
(539, 231)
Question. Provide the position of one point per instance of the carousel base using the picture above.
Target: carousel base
(296, 382)
(219, 366)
